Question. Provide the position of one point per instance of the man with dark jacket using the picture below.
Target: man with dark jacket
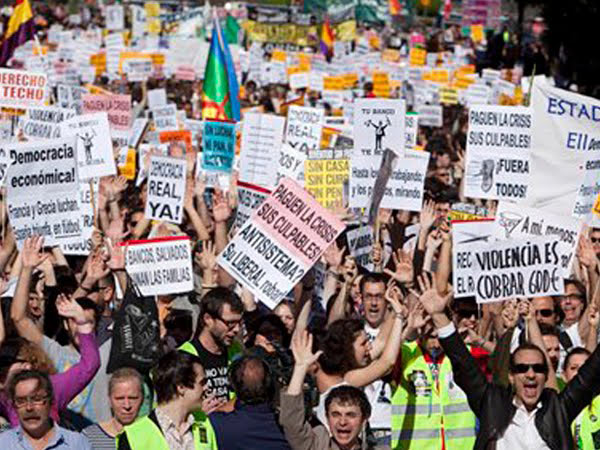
(526, 415)
(253, 422)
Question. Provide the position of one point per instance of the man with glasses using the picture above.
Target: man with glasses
(32, 396)
(595, 239)
(219, 323)
(526, 414)
(181, 387)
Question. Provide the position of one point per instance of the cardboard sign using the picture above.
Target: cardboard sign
(291, 164)
(498, 146)
(83, 246)
(218, 146)
(43, 191)
(404, 189)
(284, 238)
(515, 221)
(118, 108)
(304, 126)
(250, 197)
(430, 115)
(465, 235)
(325, 178)
(509, 269)
(360, 244)
(94, 146)
(22, 89)
(262, 135)
(160, 266)
(411, 127)
(378, 124)
(181, 139)
(166, 189)
(165, 118)
(565, 136)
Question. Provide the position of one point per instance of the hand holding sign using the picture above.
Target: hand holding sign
(31, 253)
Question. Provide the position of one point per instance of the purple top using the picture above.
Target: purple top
(67, 384)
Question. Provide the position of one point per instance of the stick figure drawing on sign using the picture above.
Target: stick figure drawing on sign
(88, 144)
(379, 131)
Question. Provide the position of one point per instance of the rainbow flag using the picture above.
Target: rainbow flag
(19, 30)
(220, 96)
(327, 38)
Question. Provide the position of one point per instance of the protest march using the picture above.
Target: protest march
(307, 225)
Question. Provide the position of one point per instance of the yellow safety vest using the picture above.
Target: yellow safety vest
(420, 410)
(144, 434)
(586, 428)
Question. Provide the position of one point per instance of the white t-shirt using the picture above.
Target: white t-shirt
(379, 394)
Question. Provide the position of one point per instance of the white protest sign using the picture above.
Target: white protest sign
(466, 234)
(279, 244)
(304, 125)
(498, 148)
(515, 221)
(94, 145)
(138, 69)
(411, 127)
(157, 98)
(165, 118)
(404, 189)
(43, 122)
(43, 191)
(588, 191)
(137, 130)
(20, 89)
(249, 199)
(166, 189)
(299, 80)
(509, 269)
(378, 124)
(115, 18)
(430, 115)
(84, 245)
(291, 164)
(160, 266)
(262, 135)
(360, 244)
(565, 135)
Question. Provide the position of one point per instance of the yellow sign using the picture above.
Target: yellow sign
(390, 55)
(381, 84)
(345, 31)
(158, 59)
(448, 96)
(596, 207)
(333, 83)
(153, 25)
(279, 33)
(128, 170)
(152, 9)
(99, 62)
(327, 135)
(304, 62)
(278, 55)
(477, 33)
(325, 178)
(124, 56)
(349, 80)
(417, 57)
(460, 215)
(439, 75)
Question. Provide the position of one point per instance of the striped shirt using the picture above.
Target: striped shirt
(99, 438)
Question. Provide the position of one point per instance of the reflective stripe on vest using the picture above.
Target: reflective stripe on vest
(144, 434)
(419, 411)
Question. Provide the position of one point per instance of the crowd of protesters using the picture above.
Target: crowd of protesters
(355, 359)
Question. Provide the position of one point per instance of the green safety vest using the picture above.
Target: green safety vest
(419, 411)
(586, 428)
(144, 434)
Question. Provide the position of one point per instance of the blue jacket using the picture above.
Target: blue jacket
(248, 426)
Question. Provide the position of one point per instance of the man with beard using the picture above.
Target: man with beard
(219, 323)
(32, 395)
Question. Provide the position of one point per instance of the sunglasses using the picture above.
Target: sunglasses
(524, 368)
(545, 312)
(595, 240)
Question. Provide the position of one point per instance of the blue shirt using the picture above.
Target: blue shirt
(62, 439)
(248, 427)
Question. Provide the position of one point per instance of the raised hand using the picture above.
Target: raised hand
(393, 296)
(525, 310)
(586, 253)
(510, 314)
(417, 318)
(116, 259)
(188, 199)
(429, 297)
(221, 209)
(97, 268)
(207, 259)
(115, 229)
(427, 215)
(594, 316)
(69, 308)
(31, 254)
(302, 349)
(403, 267)
(350, 271)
